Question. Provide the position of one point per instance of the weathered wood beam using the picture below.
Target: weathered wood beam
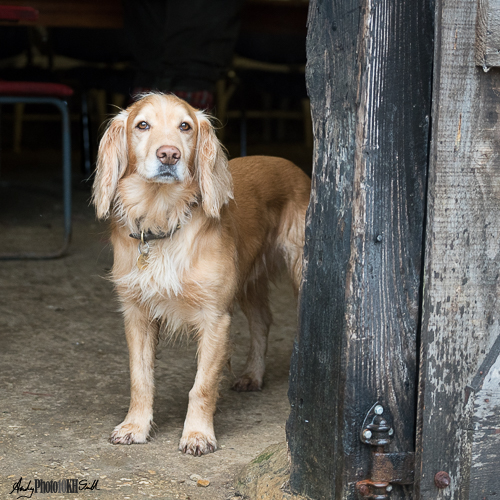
(488, 34)
(369, 79)
(459, 428)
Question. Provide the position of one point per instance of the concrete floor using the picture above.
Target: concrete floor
(64, 378)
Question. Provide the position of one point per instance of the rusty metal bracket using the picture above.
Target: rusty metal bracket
(387, 468)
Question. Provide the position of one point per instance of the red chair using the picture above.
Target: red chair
(12, 92)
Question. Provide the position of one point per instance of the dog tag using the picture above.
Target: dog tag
(142, 261)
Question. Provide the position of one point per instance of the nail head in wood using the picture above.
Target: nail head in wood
(442, 480)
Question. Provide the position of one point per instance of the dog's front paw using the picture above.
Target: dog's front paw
(129, 433)
(247, 383)
(197, 444)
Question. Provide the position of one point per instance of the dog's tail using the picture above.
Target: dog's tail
(291, 234)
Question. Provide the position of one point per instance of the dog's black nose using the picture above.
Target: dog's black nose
(168, 155)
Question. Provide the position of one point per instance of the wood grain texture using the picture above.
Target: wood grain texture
(460, 322)
(368, 75)
(488, 34)
(485, 468)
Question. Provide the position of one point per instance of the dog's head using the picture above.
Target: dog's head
(163, 140)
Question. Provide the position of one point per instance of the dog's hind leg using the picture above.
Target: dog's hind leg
(255, 306)
(198, 437)
(142, 337)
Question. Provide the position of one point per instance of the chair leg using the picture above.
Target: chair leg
(266, 122)
(18, 126)
(223, 94)
(66, 155)
(86, 136)
(0, 143)
(99, 99)
(280, 127)
(66, 140)
(243, 133)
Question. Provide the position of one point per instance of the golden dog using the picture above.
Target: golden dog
(209, 232)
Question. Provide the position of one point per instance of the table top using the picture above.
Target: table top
(259, 15)
(74, 14)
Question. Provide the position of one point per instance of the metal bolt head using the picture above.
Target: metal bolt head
(367, 434)
(389, 488)
(442, 480)
(364, 490)
(378, 410)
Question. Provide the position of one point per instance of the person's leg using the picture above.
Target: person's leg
(199, 48)
(145, 27)
(201, 43)
(182, 47)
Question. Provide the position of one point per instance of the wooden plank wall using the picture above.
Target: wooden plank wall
(369, 78)
(485, 460)
(488, 33)
(460, 392)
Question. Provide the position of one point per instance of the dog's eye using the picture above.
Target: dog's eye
(185, 126)
(143, 126)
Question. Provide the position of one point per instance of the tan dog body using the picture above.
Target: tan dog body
(227, 229)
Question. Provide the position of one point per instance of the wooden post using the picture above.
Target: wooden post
(487, 41)
(369, 79)
(460, 381)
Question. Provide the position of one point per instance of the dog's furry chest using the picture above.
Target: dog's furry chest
(159, 288)
(173, 286)
(161, 279)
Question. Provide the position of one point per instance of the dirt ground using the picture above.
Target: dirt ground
(64, 378)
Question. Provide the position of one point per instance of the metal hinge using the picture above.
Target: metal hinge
(387, 468)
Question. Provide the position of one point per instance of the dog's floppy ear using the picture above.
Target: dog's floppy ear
(111, 164)
(212, 169)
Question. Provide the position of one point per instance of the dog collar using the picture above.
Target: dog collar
(148, 235)
(145, 237)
